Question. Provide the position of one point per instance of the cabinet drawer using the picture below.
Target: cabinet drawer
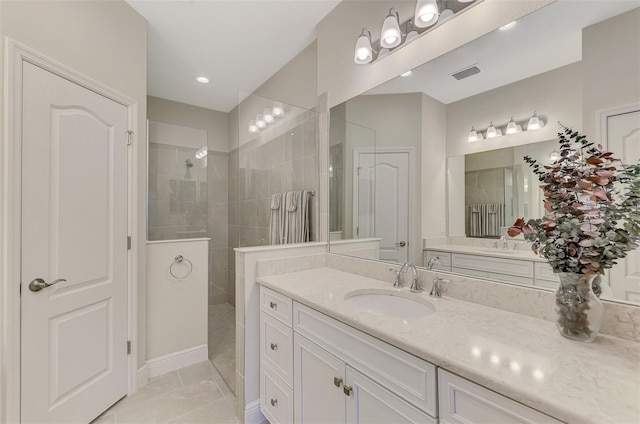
(489, 264)
(399, 372)
(464, 402)
(445, 259)
(276, 305)
(277, 347)
(276, 400)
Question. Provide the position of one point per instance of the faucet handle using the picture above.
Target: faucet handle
(397, 283)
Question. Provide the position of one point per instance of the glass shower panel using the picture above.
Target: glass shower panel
(277, 182)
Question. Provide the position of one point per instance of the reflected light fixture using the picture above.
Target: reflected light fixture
(202, 80)
(260, 122)
(253, 128)
(512, 127)
(268, 116)
(535, 123)
(491, 131)
(363, 52)
(554, 155)
(473, 135)
(383, 52)
(426, 13)
(406, 74)
(446, 13)
(278, 110)
(390, 36)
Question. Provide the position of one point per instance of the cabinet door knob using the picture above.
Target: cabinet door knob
(274, 346)
(337, 381)
(274, 402)
(273, 305)
(347, 390)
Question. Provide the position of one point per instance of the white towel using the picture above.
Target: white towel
(290, 217)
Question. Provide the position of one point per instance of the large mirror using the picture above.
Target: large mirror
(432, 181)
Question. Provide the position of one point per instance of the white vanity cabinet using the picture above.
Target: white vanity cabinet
(315, 369)
(464, 402)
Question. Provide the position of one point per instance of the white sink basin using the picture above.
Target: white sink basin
(389, 303)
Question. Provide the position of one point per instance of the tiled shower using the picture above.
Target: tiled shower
(227, 195)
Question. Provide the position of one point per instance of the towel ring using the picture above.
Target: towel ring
(178, 260)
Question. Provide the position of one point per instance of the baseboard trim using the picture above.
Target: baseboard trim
(252, 413)
(142, 378)
(176, 360)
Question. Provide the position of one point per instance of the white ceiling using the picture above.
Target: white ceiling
(237, 44)
(544, 40)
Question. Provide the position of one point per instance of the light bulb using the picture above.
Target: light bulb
(363, 52)
(512, 127)
(426, 13)
(278, 110)
(268, 117)
(253, 128)
(534, 123)
(491, 131)
(390, 36)
(260, 122)
(473, 135)
(202, 80)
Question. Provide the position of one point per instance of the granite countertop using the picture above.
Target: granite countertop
(524, 253)
(521, 357)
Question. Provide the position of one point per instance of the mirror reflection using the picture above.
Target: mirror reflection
(454, 195)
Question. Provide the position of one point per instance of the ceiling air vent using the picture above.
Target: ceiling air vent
(467, 72)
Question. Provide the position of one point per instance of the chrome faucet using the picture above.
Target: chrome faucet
(433, 261)
(414, 276)
(435, 288)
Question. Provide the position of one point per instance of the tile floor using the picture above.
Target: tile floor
(222, 341)
(191, 395)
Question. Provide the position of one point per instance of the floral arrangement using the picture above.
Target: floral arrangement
(587, 192)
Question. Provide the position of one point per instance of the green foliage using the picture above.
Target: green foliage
(592, 203)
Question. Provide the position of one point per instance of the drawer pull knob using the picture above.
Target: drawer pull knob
(337, 381)
(273, 305)
(274, 346)
(274, 402)
(347, 390)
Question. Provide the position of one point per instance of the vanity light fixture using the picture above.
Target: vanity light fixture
(512, 127)
(278, 110)
(260, 122)
(268, 116)
(473, 135)
(535, 123)
(395, 34)
(491, 131)
(202, 152)
(390, 36)
(253, 127)
(202, 80)
(364, 51)
(426, 13)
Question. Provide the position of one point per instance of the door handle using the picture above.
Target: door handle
(39, 284)
(401, 244)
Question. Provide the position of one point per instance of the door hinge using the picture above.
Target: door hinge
(128, 347)
(129, 137)
(128, 242)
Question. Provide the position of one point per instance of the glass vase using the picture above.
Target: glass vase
(579, 311)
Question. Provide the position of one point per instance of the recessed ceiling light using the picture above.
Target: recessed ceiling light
(202, 80)
(406, 74)
(507, 26)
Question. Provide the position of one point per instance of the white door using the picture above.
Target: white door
(370, 403)
(383, 202)
(623, 138)
(318, 384)
(74, 227)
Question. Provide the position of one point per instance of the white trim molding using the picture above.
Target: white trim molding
(176, 360)
(252, 413)
(15, 54)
